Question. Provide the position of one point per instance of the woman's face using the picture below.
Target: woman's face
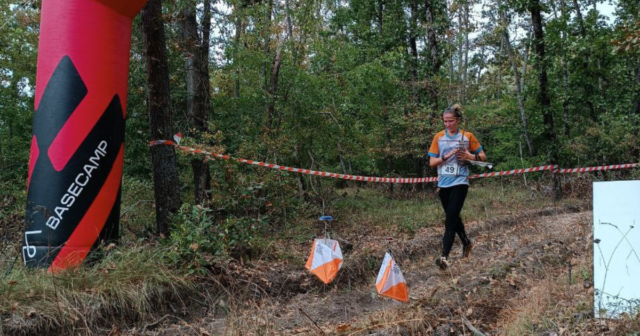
(451, 122)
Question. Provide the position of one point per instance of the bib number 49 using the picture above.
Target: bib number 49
(450, 169)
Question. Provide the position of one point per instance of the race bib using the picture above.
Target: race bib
(450, 168)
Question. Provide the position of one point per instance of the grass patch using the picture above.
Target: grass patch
(486, 199)
(126, 285)
(138, 281)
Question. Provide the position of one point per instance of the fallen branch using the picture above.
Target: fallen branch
(471, 327)
(151, 326)
(312, 321)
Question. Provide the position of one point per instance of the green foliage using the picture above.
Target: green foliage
(197, 238)
(191, 238)
(18, 41)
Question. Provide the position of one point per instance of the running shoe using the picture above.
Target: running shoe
(442, 263)
(466, 251)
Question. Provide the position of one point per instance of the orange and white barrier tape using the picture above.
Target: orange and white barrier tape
(598, 168)
(552, 168)
(515, 171)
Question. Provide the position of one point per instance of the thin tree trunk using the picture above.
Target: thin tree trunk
(189, 36)
(165, 174)
(525, 58)
(300, 183)
(201, 172)
(460, 54)
(266, 31)
(543, 96)
(565, 90)
(273, 87)
(388, 157)
(565, 73)
(465, 66)
(587, 84)
(434, 59)
(583, 31)
(380, 15)
(636, 109)
(289, 22)
(414, 55)
(480, 65)
(196, 50)
(499, 71)
(516, 77)
(236, 41)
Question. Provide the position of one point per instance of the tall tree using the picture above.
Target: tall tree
(544, 101)
(587, 82)
(435, 62)
(195, 45)
(413, 52)
(504, 23)
(165, 173)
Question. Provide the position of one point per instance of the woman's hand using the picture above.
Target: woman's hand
(465, 155)
(450, 154)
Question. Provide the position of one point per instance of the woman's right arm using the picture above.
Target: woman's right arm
(436, 161)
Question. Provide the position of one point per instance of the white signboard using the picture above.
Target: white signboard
(616, 248)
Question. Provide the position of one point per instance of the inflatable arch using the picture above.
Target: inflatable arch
(75, 167)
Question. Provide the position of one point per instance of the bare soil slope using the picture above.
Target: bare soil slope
(529, 274)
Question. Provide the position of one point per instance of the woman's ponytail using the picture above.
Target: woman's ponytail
(454, 109)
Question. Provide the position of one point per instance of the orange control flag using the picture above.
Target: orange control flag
(325, 259)
(390, 281)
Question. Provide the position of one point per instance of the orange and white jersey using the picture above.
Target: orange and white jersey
(451, 172)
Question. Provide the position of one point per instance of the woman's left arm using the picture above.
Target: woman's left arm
(467, 155)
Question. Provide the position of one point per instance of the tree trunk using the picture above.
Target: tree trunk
(481, 65)
(433, 69)
(588, 83)
(465, 64)
(636, 109)
(165, 174)
(543, 96)
(273, 87)
(414, 55)
(380, 14)
(516, 79)
(460, 53)
(388, 157)
(299, 176)
(525, 58)
(236, 41)
(196, 51)
(266, 32)
(565, 73)
(434, 60)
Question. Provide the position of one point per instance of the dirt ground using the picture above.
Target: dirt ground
(530, 273)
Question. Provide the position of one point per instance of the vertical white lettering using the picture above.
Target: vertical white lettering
(68, 200)
(30, 250)
(60, 211)
(103, 146)
(74, 190)
(86, 180)
(53, 222)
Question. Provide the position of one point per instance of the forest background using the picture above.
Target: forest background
(358, 86)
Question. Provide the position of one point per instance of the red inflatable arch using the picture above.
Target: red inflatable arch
(75, 168)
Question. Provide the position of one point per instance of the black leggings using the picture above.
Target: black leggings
(452, 199)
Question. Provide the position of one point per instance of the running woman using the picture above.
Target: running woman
(449, 151)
